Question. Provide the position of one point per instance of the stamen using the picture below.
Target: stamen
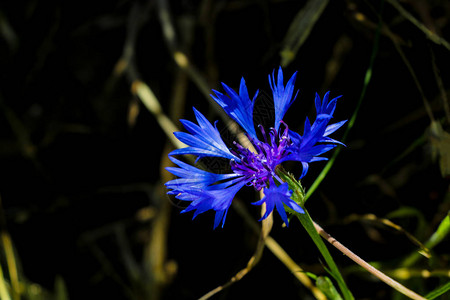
(259, 167)
(263, 132)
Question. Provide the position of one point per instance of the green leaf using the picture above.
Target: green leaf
(441, 232)
(325, 284)
(60, 289)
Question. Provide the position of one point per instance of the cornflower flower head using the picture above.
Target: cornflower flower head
(250, 167)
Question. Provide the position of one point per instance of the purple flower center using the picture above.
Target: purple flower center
(259, 167)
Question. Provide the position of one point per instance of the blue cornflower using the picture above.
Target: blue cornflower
(257, 167)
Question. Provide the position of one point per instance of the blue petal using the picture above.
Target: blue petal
(238, 107)
(282, 96)
(295, 137)
(305, 167)
(220, 216)
(315, 140)
(203, 139)
(218, 200)
(330, 140)
(326, 107)
(192, 177)
(278, 196)
(315, 132)
(333, 127)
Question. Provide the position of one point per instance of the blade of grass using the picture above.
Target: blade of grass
(352, 120)
(442, 231)
(431, 35)
(3, 289)
(61, 292)
(438, 291)
(10, 257)
(437, 237)
(326, 285)
(300, 29)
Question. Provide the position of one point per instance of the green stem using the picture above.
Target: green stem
(316, 233)
(298, 196)
(308, 224)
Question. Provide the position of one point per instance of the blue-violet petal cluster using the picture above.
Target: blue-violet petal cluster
(250, 167)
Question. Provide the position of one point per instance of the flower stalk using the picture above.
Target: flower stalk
(298, 195)
(315, 231)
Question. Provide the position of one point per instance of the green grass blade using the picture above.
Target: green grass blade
(4, 294)
(367, 79)
(326, 286)
(440, 234)
(438, 291)
(437, 237)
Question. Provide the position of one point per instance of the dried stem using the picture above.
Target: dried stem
(377, 273)
(256, 257)
(279, 252)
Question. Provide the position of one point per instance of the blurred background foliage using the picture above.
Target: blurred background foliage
(87, 92)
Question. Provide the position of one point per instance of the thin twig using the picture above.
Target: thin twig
(150, 101)
(431, 35)
(256, 257)
(380, 275)
(279, 252)
(426, 103)
(424, 251)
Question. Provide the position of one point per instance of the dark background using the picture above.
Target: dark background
(82, 159)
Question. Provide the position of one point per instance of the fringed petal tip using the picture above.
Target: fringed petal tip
(282, 95)
(203, 139)
(278, 196)
(238, 107)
